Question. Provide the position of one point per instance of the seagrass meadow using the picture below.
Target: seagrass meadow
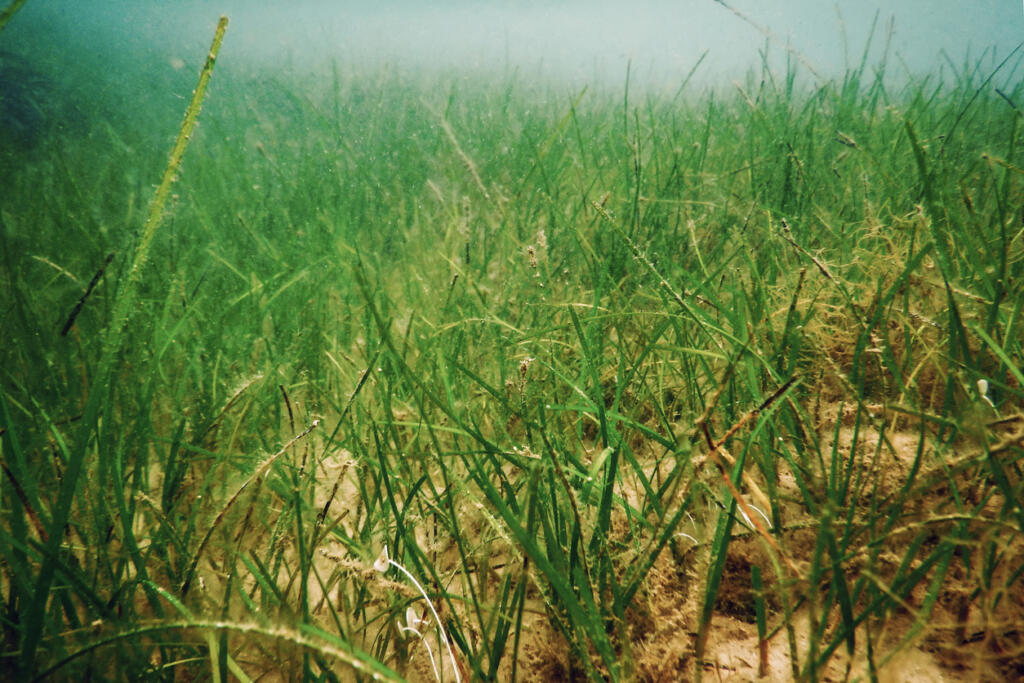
(384, 375)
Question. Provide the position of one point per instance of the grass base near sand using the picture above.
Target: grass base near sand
(640, 387)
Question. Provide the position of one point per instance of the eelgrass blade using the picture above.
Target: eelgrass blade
(256, 477)
(35, 612)
(719, 553)
(10, 11)
(306, 636)
(757, 585)
(588, 622)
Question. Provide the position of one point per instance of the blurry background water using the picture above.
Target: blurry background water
(583, 42)
(23, 91)
(64, 61)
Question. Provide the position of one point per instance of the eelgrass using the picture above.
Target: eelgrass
(558, 344)
(8, 12)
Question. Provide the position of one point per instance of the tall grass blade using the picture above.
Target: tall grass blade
(34, 613)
